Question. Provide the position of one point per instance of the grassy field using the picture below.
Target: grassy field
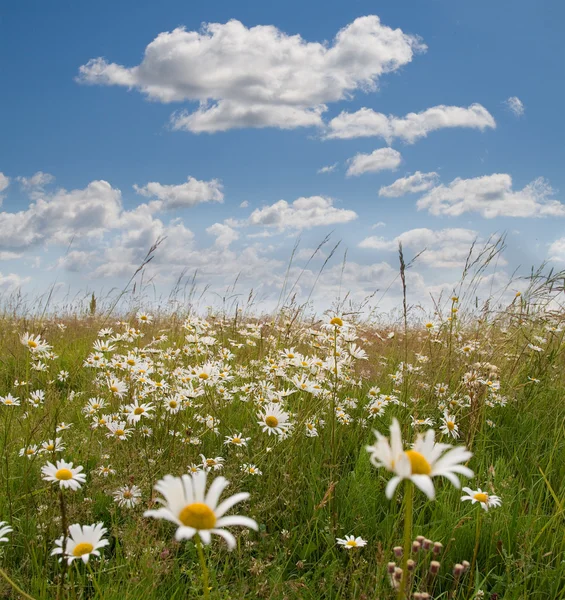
(208, 389)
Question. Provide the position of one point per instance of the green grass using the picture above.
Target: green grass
(302, 501)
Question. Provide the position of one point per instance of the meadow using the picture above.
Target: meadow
(286, 408)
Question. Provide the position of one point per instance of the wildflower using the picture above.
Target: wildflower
(486, 500)
(9, 400)
(274, 420)
(236, 440)
(250, 469)
(449, 427)
(350, 541)
(82, 541)
(118, 429)
(105, 471)
(4, 530)
(55, 445)
(425, 460)
(210, 464)
(135, 411)
(35, 343)
(143, 317)
(187, 505)
(127, 496)
(29, 451)
(63, 426)
(117, 387)
(65, 474)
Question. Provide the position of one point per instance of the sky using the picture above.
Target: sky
(241, 134)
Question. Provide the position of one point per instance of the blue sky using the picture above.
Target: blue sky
(266, 125)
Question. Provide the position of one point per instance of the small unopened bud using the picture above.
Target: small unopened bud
(434, 567)
(398, 573)
(427, 544)
(416, 546)
(390, 568)
(420, 538)
(410, 564)
(466, 565)
(397, 551)
(458, 570)
(438, 547)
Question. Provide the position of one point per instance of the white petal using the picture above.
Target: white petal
(218, 486)
(425, 484)
(227, 536)
(391, 486)
(237, 520)
(205, 536)
(184, 533)
(223, 508)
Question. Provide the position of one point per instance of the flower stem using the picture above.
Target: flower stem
(15, 585)
(64, 544)
(408, 503)
(94, 582)
(203, 567)
(476, 549)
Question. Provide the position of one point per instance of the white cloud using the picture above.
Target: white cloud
(62, 217)
(10, 255)
(225, 235)
(492, 196)
(4, 182)
(557, 250)
(185, 195)
(444, 248)
(368, 123)
(379, 160)
(378, 225)
(327, 169)
(244, 204)
(11, 282)
(37, 181)
(303, 213)
(418, 182)
(258, 76)
(515, 105)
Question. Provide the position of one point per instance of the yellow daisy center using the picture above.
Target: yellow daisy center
(8, 401)
(203, 376)
(64, 474)
(429, 325)
(197, 515)
(271, 421)
(82, 549)
(419, 464)
(139, 411)
(352, 543)
(481, 497)
(127, 495)
(32, 344)
(336, 321)
(120, 432)
(236, 440)
(173, 404)
(114, 388)
(450, 425)
(50, 447)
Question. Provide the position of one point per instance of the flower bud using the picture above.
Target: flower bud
(398, 573)
(466, 565)
(390, 568)
(458, 570)
(434, 567)
(397, 551)
(410, 564)
(438, 547)
(420, 538)
(427, 544)
(416, 546)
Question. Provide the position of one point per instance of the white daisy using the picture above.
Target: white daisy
(350, 541)
(449, 426)
(424, 460)
(4, 530)
(64, 474)
(82, 541)
(274, 420)
(186, 505)
(486, 500)
(127, 496)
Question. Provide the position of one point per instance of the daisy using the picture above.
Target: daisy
(209, 464)
(82, 541)
(250, 469)
(117, 387)
(4, 529)
(35, 343)
(449, 427)
(127, 496)
(118, 429)
(135, 411)
(64, 474)
(274, 420)
(187, 505)
(9, 400)
(350, 541)
(143, 317)
(236, 440)
(55, 445)
(105, 471)
(426, 459)
(486, 500)
(29, 451)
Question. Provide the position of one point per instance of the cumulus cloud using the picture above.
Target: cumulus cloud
(244, 204)
(12, 282)
(303, 213)
(492, 196)
(4, 183)
(368, 123)
(36, 182)
(225, 234)
(258, 76)
(418, 182)
(62, 216)
(557, 250)
(327, 169)
(515, 105)
(444, 248)
(380, 160)
(184, 195)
